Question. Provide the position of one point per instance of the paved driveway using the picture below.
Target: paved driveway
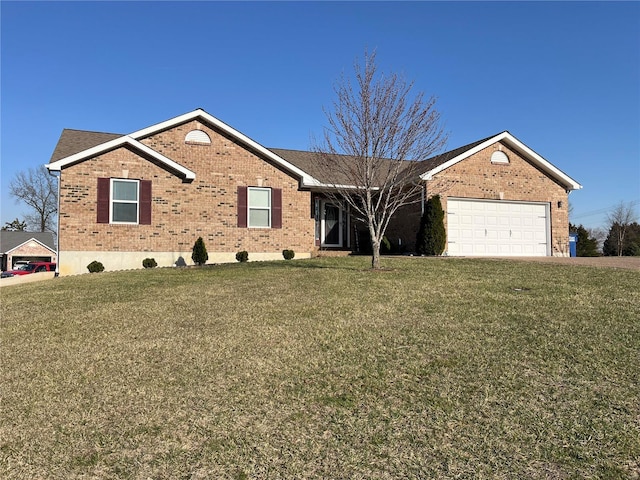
(630, 263)
(32, 277)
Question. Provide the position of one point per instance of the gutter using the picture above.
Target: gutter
(57, 224)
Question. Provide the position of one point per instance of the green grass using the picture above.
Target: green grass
(433, 368)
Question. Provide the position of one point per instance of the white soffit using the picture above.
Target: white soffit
(307, 180)
(115, 143)
(518, 145)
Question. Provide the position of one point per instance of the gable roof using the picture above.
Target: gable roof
(433, 162)
(76, 146)
(441, 162)
(119, 142)
(73, 141)
(11, 240)
(112, 141)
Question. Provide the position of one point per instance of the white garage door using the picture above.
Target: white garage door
(497, 228)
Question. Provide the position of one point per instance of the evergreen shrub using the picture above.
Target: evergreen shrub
(95, 267)
(199, 255)
(432, 236)
(242, 256)
(288, 254)
(149, 263)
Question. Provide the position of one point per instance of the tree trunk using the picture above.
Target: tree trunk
(375, 257)
(375, 248)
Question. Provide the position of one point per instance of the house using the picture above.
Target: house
(26, 247)
(153, 192)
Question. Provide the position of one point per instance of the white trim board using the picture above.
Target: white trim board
(513, 142)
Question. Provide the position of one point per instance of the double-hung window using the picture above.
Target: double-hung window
(259, 207)
(124, 200)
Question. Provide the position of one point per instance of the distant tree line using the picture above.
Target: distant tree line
(623, 240)
(620, 238)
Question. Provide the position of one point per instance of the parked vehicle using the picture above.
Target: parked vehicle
(32, 267)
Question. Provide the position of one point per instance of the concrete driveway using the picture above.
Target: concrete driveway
(630, 263)
(32, 277)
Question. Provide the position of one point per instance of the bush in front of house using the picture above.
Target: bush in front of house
(288, 254)
(242, 256)
(149, 263)
(199, 255)
(432, 236)
(95, 267)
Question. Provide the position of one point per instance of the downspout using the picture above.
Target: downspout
(57, 225)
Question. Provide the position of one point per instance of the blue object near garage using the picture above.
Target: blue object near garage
(573, 242)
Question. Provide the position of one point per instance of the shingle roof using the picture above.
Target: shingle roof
(309, 161)
(10, 240)
(304, 164)
(433, 162)
(74, 141)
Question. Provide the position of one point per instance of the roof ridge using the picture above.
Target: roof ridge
(92, 131)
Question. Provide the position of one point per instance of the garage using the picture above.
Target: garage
(26, 247)
(497, 228)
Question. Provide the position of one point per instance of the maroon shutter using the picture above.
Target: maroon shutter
(145, 202)
(104, 195)
(242, 207)
(276, 208)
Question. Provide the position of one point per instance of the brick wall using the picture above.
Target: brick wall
(207, 207)
(519, 180)
(182, 212)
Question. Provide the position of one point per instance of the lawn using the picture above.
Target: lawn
(432, 368)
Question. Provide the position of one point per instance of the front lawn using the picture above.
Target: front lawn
(433, 368)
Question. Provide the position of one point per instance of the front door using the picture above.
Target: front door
(331, 225)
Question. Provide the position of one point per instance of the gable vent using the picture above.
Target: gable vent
(499, 157)
(197, 136)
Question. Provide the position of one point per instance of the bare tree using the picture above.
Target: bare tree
(599, 234)
(37, 189)
(377, 134)
(619, 220)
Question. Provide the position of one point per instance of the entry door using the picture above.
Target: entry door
(331, 225)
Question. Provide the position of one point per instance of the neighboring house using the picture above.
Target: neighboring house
(26, 247)
(153, 192)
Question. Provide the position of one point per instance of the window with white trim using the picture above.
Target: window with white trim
(125, 198)
(259, 207)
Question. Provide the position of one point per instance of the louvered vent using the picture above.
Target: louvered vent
(197, 136)
(499, 157)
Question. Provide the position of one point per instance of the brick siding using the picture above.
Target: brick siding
(519, 180)
(207, 206)
(182, 212)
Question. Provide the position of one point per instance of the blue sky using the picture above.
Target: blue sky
(562, 77)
